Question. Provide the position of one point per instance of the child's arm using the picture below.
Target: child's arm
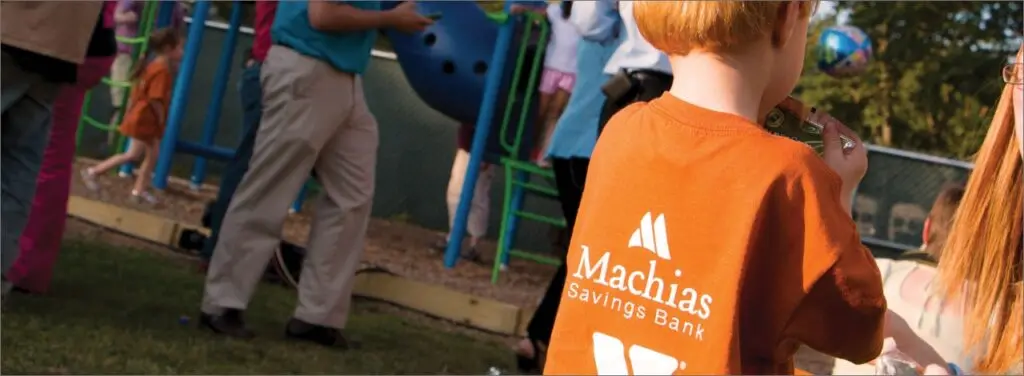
(843, 311)
(124, 14)
(326, 15)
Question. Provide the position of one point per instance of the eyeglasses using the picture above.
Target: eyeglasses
(1013, 74)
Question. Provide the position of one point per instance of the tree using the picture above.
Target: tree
(934, 79)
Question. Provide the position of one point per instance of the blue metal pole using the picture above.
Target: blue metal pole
(482, 131)
(165, 15)
(179, 99)
(297, 205)
(219, 88)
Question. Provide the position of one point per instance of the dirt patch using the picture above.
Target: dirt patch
(399, 247)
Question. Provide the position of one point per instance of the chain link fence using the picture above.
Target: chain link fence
(895, 196)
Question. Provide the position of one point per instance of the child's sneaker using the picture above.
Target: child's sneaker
(143, 196)
(89, 179)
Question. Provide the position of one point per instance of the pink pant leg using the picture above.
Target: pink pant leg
(40, 242)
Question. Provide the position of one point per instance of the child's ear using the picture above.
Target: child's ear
(785, 23)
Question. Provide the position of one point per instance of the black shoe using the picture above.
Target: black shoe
(318, 334)
(472, 255)
(229, 323)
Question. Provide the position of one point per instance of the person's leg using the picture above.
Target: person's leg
(294, 128)
(480, 211)
(347, 168)
(570, 175)
(24, 132)
(119, 72)
(558, 102)
(136, 150)
(454, 192)
(251, 94)
(141, 186)
(40, 241)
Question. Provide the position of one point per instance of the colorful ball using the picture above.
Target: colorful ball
(843, 51)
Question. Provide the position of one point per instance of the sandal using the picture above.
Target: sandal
(531, 365)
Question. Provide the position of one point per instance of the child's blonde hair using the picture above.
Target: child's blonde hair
(680, 27)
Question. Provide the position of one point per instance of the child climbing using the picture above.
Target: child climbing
(147, 113)
(559, 74)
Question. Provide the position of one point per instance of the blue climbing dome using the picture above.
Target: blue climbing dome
(447, 63)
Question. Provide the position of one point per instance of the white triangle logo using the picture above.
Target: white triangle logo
(652, 236)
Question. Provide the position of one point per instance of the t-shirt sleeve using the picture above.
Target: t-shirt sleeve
(843, 312)
(158, 85)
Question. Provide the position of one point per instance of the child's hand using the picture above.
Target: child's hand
(850, 164)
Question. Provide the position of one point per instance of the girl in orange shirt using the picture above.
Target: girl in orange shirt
(147, 115)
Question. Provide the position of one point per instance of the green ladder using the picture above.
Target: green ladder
(519, 174)
(141, 43)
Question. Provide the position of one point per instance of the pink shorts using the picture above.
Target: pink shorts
(553, 80)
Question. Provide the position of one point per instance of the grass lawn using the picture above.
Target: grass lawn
(116, 311)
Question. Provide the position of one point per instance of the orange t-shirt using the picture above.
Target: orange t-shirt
(143, 121)
(706, 245)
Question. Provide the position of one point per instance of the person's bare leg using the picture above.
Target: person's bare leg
(148, 163)
(543, 106)
(556, 107)
(135, 151)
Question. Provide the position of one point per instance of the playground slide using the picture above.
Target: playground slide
(447, 66)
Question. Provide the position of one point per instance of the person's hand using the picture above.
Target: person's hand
(404, 18)
(850, 164)
(131, 17)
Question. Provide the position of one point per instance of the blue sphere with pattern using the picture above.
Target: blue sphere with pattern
(843, 51)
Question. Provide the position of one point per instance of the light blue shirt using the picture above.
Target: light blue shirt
(345, 51)
(576, 131)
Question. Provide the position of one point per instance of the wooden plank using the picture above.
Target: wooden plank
(135, 223)
(441, 302)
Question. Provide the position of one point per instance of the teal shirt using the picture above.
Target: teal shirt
(345, 51)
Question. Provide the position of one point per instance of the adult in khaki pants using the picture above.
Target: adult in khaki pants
(43, 42)
(315, 116)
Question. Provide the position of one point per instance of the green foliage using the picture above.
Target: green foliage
(934, 80)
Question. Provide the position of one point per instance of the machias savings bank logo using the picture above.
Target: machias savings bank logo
(653, 294)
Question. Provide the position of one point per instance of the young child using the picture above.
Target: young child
(705, 244)
(559, 73)
(147, 113)
(127, 16)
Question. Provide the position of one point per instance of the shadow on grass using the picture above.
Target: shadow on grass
(117, 311)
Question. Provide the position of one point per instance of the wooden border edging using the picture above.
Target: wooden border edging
(465, 309)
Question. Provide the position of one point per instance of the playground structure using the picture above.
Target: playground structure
(493, 56)
(453, 61)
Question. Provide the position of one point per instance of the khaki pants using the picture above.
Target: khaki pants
(314, 116)
(479, 212)
(120, 72)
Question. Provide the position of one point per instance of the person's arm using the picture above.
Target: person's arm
(843, 312)
(124, 14)
(593, 21)
(327, 15)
